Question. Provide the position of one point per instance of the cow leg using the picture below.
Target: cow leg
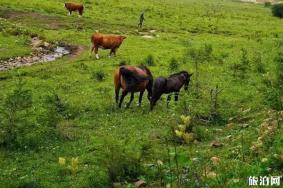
(70, 12)
(96, 52)
(131, 99)
(140, 98)
(91, 49)
(124, 93)
(111, 52)
(176, 96)
(168, 100)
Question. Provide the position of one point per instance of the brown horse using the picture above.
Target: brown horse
(74, 7)
(172, 84)
(132, 79)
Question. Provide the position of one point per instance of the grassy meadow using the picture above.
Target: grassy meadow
(60, 126)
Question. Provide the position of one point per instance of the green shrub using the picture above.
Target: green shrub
(56, 105)
(277, 10)
(274, 86)
(22, 124)
(149, 60)
(16, 106)
(173, 65)
(121, 162)
(240, 69)
(98, 75)
(99, 179)
(259, 67)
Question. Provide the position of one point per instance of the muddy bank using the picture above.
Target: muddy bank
(42, 52)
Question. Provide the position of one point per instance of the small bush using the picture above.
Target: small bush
(99, 179)
(277, 10)
(259, 67)
(123, 62)
(56, 105)
(240, 69)
(267, 4)
(99, 75)
(149, 60)
(173, 65)
(122, 163)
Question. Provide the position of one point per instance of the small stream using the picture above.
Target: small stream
(42, 54)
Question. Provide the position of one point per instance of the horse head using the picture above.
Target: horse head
(186, 78)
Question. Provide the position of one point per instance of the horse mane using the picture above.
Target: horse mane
(176, 74)
(142, 66)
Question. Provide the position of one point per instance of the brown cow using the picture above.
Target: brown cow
(111, 42)
(74, 7)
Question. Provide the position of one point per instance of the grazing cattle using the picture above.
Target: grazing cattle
(74, 7)
(112, 42)
(132, 79)
(172, 84)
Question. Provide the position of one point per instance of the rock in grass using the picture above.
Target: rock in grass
(216, 144)
(215, 160)
(140, 183)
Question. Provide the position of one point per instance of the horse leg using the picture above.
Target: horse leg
(70, 12)
(140, 98)
(168, 100)
(176, 96)
(131, 99)
(96, 52)
(124, 93)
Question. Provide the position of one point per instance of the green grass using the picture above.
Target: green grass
(91, 122)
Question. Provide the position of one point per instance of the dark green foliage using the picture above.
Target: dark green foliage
(267, 4)
(240, 69)
(173, 65)
(277, 10)
(274, 93)
(149, 60)
(123, 163)
(56, 105)
(16, 106)
(98, 179)
(98, 75)
(259, 67)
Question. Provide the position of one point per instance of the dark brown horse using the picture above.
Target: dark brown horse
(132, 79)
(172, 84)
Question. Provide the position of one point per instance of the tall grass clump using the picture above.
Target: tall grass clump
(277, 10)
(173, 65)
(149, 60)
(274, 93)
(98, 75)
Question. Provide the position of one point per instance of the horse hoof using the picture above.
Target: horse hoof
(97, 56)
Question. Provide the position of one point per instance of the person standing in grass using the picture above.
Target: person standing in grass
(142, 19)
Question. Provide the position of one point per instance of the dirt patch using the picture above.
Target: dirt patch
(50, 22)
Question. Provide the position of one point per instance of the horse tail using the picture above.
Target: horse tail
(116, 78)
(117, 83)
